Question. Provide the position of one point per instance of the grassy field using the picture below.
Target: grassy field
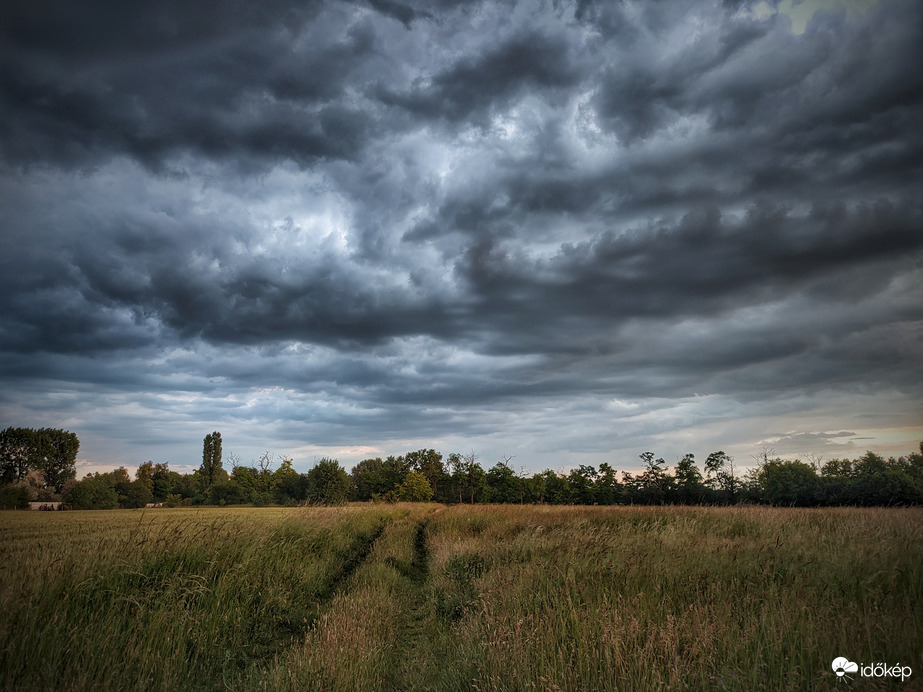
(422, 597)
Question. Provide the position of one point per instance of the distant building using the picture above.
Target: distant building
(44, 506)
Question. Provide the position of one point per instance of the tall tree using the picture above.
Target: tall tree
(368, 480)
(145, 475)
(654, 483)
(16, 453)
(427, 462)
(94, 491)
(162, 484)
(503, 484)
(57, 456)
(456, 464)
(328, 483)
(467, 475)
(788, 483)
(582, 481)
(688, 480)
(211, 460)
(608, 488)
(721, 472)
(414, 488)
(49, 450)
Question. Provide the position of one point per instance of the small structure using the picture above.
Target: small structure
(45, 506)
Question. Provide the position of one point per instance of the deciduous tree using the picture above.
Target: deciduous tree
(211, 460)
(328, 483)
(49, 450)
(414, 488)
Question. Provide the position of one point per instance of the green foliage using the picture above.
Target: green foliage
(288, 486)
(414, 488)
(871, 480)
(556, 489)
(246, 478)
(608, 490)
(145, 476)
(95, 491)
(163, 481)
(789, 483)
(16, 454)
(134, 495)
(468, 478)
(14, 496)
(427, 462)
(225, 493)
(721, 476)
(502, 484)
(328, 483)
(211, 460)
(49, 450)
(368, 480)
(582, 484)
(688, 482)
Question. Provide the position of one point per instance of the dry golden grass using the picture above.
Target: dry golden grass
(484, 597)
(675, 598)
(172, 599)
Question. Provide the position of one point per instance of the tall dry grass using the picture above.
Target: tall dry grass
(419, 597)
(674, 598)
(172, 599)
(373, 633)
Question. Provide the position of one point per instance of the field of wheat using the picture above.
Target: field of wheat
(425, 597)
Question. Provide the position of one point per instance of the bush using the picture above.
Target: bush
(225, 493)
(789, 483)
(14, 496)
(93, 492)
(415, 488)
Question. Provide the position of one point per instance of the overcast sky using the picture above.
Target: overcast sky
(566, 232)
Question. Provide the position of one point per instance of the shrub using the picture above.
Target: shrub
(415, 488)
(14, 496)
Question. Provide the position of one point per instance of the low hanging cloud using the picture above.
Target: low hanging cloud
(570, 229)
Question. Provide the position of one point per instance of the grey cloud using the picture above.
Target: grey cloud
(390, 219)
(701, 265)
(405, 14)
(472, 87)
(222, 83)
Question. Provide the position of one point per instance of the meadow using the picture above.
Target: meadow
(427, 597)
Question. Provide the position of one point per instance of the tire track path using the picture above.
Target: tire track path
(416, 616)
(268, 641)
(351, 563)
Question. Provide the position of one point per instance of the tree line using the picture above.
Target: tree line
(39, 465)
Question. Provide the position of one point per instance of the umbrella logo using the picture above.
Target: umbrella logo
(841, 666)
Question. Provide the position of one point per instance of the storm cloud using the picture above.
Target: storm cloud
(566, 231)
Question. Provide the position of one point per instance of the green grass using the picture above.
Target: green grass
(461, 598)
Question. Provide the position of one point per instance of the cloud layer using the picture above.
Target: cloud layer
(561, 230)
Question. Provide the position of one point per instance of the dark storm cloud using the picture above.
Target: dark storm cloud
(474, 85)
(396, 212)
(150, 81)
